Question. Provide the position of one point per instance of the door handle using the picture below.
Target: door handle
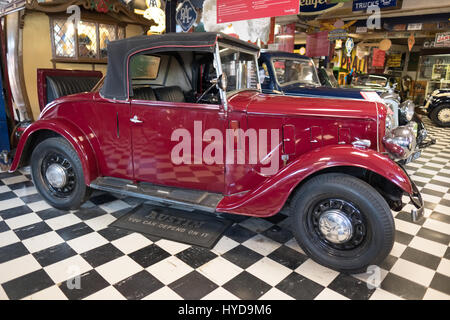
(135, 119)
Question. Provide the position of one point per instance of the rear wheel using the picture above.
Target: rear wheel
(58, 175)
(441, 115)
(342, 222)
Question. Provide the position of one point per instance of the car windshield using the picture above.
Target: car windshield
(240, 69)
(369, 80)
(290, 71)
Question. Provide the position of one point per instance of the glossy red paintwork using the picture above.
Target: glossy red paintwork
(322, 129)
(152, 144)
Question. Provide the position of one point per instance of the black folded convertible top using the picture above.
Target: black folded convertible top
(115, 85)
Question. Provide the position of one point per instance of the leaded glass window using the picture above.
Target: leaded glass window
(88, 42)
(64, 38)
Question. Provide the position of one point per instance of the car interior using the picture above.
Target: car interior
(174, 77)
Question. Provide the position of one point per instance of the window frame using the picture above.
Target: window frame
(77, 58)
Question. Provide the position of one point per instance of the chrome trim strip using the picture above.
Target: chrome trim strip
(378, 127)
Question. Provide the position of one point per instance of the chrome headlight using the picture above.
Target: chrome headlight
(400, 142)
(407, 109)
(389, 122)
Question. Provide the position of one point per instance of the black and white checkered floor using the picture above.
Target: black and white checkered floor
(41, 248)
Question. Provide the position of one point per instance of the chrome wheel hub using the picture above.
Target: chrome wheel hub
(444, 115)
(56, 175)
(335, 226)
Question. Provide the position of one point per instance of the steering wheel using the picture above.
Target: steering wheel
(214, 83)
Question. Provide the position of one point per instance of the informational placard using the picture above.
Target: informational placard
(235, 10)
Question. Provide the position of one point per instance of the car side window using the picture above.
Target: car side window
(173, 76)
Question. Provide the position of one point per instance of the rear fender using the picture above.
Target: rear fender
(69, 131)
(269, 197)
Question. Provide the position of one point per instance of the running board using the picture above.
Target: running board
(194, 199)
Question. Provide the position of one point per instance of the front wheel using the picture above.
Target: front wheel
(342, 222)
(441, 115)
(58, 175)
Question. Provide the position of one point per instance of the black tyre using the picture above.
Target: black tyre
(58, 175)
(441, 115)
(342, 222)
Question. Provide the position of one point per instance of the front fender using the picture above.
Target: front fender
(269, 197)
(68, 130)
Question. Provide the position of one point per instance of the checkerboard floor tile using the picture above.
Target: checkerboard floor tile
(47, 253)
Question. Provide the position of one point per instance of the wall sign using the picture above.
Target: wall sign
(349, 45)
(378, 58)
(235, 10)
(314, 7)
(414, 26)
(362, 5)
(337, 34)
(394, 60)
(442, 39)
(186, 15)
(361, 30)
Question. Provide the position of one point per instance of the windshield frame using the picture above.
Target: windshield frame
(372, 85)
(318, 84)
(220, 69)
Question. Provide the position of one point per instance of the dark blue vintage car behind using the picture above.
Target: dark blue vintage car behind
(294, 74)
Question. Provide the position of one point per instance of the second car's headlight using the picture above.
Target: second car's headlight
(407, 109)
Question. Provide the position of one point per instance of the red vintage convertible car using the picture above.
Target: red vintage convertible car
(180, 119)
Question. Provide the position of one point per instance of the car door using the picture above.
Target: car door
(164, 117)
(153, 135)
